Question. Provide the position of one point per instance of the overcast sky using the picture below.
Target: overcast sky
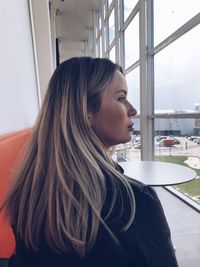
(177, 67)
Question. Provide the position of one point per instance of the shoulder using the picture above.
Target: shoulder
(149, 213)
(139, 189)
(145, 196)
(146, 199)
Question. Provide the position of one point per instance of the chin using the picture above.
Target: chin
(127, 139)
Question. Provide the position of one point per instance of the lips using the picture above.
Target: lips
(130, 127)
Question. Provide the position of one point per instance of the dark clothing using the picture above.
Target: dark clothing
(147, 243)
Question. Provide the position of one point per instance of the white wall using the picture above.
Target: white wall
(42, 41)
(18, 87)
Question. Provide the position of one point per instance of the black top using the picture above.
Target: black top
(146, 243)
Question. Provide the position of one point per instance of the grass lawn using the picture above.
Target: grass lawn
(192, 188)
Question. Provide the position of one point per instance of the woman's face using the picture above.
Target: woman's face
(112, 123)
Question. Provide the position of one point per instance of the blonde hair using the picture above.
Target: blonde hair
(60, 189)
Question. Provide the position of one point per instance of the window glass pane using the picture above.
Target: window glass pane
(131, 37)
(171, 14)
(97, 49)
(135, 151)
(177, 79)
(111, 22)
(105, 38)
(112, 54)
(99, 21)
(128, 7)
(96, 23)
(133, 83)
(109, 2)
(130, 150)
(178, 141)
(100, 44)
(96, 32)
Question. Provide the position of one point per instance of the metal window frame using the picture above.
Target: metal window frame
(116, 7)
(121, 35)
(146, 79)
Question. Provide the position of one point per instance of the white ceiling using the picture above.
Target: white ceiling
(73, 20)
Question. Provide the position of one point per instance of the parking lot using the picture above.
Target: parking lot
(186, 147)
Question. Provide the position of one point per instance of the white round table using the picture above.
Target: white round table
(156, 173)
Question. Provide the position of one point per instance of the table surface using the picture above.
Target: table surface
(156, 173)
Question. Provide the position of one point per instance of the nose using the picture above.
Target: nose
(131, 110)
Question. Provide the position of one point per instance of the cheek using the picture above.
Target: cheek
(111, 117)
(115, 120)
(110, 125)
(117, 114)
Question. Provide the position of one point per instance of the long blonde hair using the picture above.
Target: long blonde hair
(60, 188)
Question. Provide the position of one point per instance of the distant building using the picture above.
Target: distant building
(197, 121)
(174, 126)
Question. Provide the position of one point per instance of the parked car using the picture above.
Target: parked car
(166, 142)
(197, 141)
(191, 138)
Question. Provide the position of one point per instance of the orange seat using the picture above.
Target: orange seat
(11, 148)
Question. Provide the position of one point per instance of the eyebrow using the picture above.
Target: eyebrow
(121, 91)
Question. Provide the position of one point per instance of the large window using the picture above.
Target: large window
(177, 81)
(176, 87)
(157, 44)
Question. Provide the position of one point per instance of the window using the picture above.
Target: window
(176, 142)
(109, 2)
(164, 82)
(132, 79)
(112, 54)
(133, 83)
(100, 24)
(177, 93)
(100, 46)
(177, 81)
(105, 38)
(170, 15)
(111, 27)
(128, 7)
(131, 39)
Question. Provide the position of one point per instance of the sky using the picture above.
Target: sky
(177, 67)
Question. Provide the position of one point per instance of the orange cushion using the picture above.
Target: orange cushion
(11, 148)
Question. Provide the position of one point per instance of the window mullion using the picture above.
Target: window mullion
(146, 79)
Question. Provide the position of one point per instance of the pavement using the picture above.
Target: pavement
(193, 162)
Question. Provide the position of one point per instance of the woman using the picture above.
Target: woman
(71, 204)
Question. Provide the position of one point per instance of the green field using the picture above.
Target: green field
(191, 188)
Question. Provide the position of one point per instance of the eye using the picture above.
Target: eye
(122, 99)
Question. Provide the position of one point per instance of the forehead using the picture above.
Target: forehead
(118, 83)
